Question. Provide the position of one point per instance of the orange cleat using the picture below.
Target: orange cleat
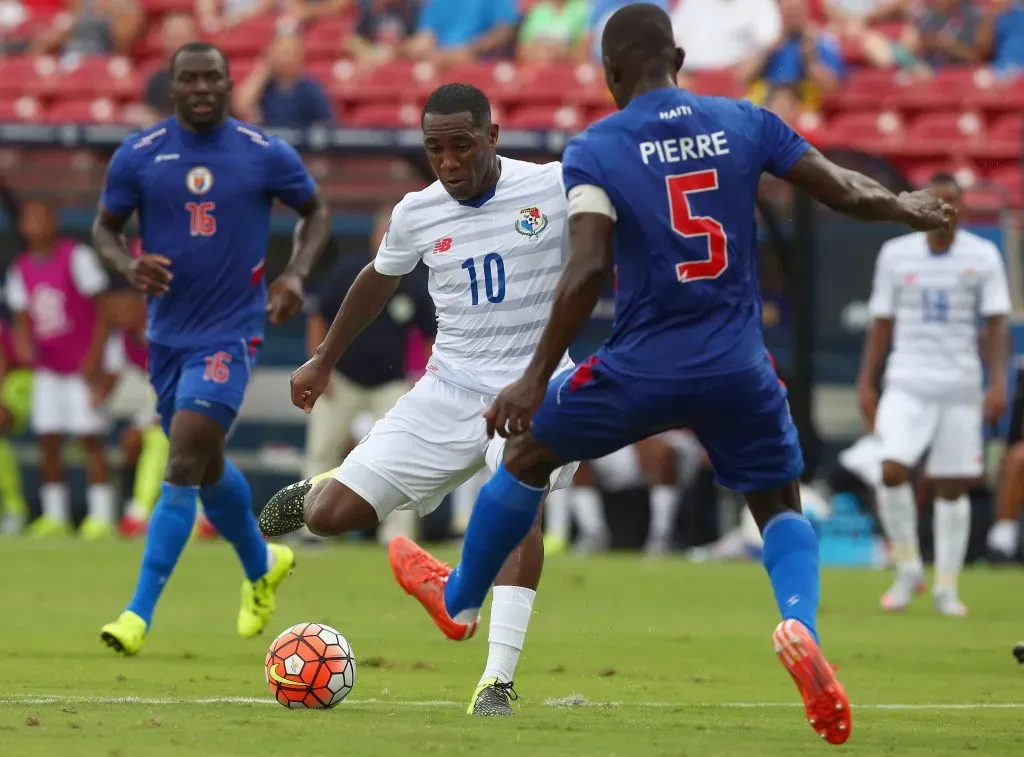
(424, 577)
(825, 700)
(132, 526)
(205, 530)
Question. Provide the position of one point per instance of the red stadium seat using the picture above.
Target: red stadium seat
(879, 132)
(1005, 139)
(247, 39)
(1010, 179)
(944, 133)
(94, 77)
(555, 85)
(324, 38)
(865, 88)
(966, 172)
(564, 117)
(499, 81)
(720, 83)
(99, 111)
(23, 108)
(28, 75)
(400, 81)
(383, 115)
(160, 7)
(949, 88)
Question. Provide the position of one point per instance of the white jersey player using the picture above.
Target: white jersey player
(929, 292)
(491, 232)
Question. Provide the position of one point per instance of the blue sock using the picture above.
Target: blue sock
(228, 505)
(170, 525)
(502, 517)
(791, 559)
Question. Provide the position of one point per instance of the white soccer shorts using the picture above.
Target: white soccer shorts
(432, 440)
(908, 425)
(61, 405)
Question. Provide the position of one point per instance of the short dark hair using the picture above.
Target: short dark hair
(638, 33)
(457, 97)
(198, 47)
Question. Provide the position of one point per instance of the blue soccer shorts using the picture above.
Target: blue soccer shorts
(742, 419)
(208, 380)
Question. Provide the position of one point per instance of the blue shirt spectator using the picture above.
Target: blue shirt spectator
(787, 66)
(1008, 38)
(465, 29)
(278, 94)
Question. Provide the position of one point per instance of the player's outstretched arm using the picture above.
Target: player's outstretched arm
(369, 293)
(148, 273)
(860, 196)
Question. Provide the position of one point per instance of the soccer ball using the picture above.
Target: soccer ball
(310, 666)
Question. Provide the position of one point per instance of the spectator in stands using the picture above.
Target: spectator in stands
(719, 34)
(458, 31)
(601, 11)
(1001, 36)
(304, 11)
(277, 93)
(555, 30)
(383, 30)
(945, 34)
(215, 15)
(92, 27)
(852, 20)
(805, 64)
(176, 29)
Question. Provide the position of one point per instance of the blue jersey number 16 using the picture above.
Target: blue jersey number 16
(494, 278)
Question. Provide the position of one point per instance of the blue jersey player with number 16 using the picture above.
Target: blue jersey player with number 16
(203, 185)
(665, 189)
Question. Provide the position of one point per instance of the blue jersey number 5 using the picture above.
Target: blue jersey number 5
(494, 278)
(687, 225)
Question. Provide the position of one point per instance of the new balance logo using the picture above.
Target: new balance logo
(442, 245)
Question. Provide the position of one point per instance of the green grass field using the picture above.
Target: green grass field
(625, 657)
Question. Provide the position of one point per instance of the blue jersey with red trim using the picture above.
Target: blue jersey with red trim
(682, 171)
(204, 201)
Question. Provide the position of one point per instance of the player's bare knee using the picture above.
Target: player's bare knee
(585, 475)
(894, 474)
(331, 509)
(529, 460)
(185, 468)
(949, 488)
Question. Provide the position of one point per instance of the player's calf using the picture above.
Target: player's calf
(331, 509)
(529, 461)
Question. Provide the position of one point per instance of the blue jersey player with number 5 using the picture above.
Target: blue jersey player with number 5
(203, 185)
(665, 190)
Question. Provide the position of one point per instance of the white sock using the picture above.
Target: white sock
(1004, 536)
(898, 513)
(100, 499)
(588, 510)
(556, 515)
(511, 607)
(56, 502)
(136, 511)
(664, 506)
(952, 532)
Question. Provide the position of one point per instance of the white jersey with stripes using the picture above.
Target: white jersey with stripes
(494, 263)
(936, 301)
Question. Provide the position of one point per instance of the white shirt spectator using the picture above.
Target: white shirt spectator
(723, 33)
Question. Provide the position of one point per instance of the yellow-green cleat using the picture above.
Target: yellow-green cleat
(126, 634)
(555, 545)
(45, 527)
(492, 699)
(94, 530)
(259, 599)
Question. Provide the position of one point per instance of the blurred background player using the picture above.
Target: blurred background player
(54, 289)
(372, 374)
(207, 222)
(492, 296)
(15, 409)
(121, 368)
(687, 349)
(929, 290)
(666, 463)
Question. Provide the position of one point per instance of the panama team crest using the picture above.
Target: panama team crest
(531, 221)
(199, 180)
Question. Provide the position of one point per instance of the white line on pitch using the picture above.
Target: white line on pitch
(564, 703)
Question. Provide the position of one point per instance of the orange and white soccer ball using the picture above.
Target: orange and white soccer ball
(310, 666)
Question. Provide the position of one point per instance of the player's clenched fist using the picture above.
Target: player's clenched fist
(926, 211)
(513, 410)
(308, 382)
(284, 298)
(149, 274)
